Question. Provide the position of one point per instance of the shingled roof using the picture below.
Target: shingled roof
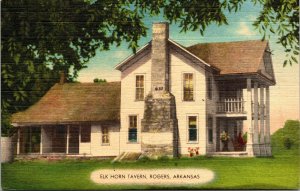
(232, 57)
(74, 102)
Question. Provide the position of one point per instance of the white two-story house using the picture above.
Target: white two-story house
(171, 99)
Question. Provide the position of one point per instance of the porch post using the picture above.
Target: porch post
(248, 122)
(68, 136)
(41, 143)
(255, 138)
(267, 121)
(214, 126)
(18, 141)
(262, 123)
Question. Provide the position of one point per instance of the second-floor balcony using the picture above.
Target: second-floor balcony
(231, 106)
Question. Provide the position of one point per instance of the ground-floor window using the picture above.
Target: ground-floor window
(30, 139)
(192, 129)
(85, 133)
(132, 131)
(105, 136)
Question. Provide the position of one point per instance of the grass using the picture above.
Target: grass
(278, 172)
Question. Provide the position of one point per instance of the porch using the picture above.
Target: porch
(243, 106)
(55, 140)
(231, 136)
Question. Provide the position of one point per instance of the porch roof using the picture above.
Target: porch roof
(74, 102)
(238, 57)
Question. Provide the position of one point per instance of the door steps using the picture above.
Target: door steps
(127, 156)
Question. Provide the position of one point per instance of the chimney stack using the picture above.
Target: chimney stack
(160, 118)
(160, 58)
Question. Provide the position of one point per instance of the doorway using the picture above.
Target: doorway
(73, 139)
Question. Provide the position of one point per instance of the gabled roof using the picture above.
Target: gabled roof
(232, 57)
(240, 57)
(74, 102)
(131, 59)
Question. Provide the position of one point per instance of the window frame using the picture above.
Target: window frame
(82, 138)
(136, 88)
(129, 127)
(105, 134)
(193, 86)
(188, 128)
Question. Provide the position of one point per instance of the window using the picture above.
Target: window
(105, 136)
(85, 133)
(192, 122)
(209, 88)
(132, 132)
(139, 87)
(188, 87)
(210, 129)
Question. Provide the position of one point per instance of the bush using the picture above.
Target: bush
(287, 143)
(144, 159)
(163, 158)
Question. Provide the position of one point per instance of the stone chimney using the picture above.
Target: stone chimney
(160, 58)
(160, 125)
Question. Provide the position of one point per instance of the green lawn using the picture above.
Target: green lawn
(279, 172)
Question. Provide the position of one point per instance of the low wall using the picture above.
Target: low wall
(6, 149)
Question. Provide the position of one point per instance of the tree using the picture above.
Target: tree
(41, 38)
(97, 80)
(281, 18)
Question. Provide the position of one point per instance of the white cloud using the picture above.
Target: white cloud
(244, 29)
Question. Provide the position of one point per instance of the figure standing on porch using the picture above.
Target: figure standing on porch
(224, 138)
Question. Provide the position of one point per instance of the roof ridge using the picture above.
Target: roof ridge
(228, 42)
(86, 83)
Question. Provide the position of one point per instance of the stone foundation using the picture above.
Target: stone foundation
(155, 150)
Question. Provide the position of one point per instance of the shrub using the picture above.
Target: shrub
(287, 143)
(163, 158)
(144, 159)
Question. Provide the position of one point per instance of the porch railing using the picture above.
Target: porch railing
(231, 105)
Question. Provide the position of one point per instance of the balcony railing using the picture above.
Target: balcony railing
(231, 105)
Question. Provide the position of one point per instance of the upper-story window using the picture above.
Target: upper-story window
(139, 87)
(209, 87)
(188, 87)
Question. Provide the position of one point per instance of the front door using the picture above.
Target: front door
(73, 139)
(59, 139)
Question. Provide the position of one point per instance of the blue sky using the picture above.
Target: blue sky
(284, 96)
(239, 28)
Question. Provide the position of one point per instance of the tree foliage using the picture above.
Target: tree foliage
(97, 80)
(281, 17)
(41, 38)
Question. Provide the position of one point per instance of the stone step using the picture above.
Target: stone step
(127, 156)
(229, 154)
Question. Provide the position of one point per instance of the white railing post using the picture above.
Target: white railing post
(267, 125)
(256, 114)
